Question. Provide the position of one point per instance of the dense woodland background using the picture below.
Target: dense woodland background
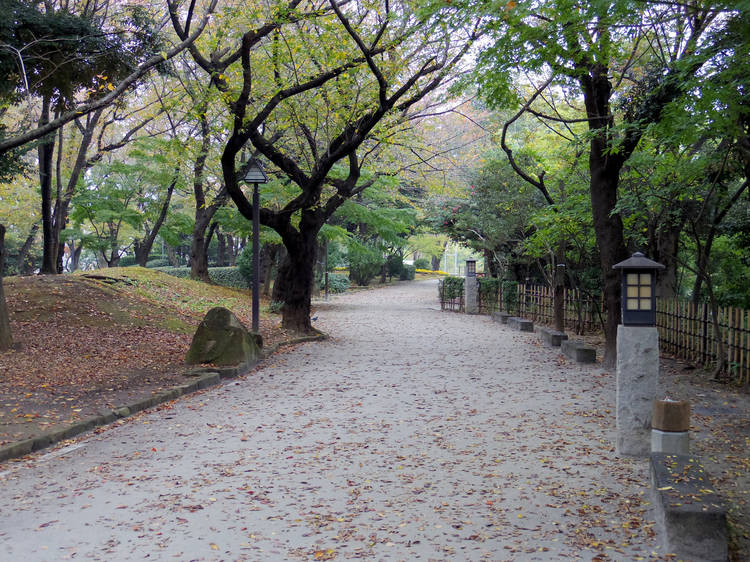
(535, 133)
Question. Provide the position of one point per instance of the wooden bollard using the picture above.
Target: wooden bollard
(670, 422)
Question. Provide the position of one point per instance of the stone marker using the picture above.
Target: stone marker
(221, 339)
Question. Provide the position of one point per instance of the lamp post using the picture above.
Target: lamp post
(255, 175)
(637, 355)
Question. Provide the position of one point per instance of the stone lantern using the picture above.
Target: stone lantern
(637, 355)
(638, 290)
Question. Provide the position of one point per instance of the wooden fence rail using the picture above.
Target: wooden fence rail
(685, 329)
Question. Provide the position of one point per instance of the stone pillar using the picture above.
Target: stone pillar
(471, 295)
(637, 387)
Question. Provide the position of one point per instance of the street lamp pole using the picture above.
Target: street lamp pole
(256, 259)
(255, 175)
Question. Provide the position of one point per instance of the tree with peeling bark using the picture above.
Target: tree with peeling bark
(309, 89)
(620, 64)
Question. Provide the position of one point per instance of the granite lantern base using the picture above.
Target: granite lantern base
(637, 386)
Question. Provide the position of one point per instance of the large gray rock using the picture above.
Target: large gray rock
(221, 339)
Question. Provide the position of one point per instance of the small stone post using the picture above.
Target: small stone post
(637, 355)
(670, 423)
(471, 288)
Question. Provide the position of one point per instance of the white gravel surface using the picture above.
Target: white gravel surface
(412, 434)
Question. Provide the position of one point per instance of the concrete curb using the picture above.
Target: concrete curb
(203, 377)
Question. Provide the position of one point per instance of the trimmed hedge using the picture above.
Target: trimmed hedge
(453, 288)
(223, 276)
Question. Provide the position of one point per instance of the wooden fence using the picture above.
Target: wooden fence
(537, 303)
(685, 329)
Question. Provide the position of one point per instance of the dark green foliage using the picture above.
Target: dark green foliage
(336, 255)
(394, 264)
(337, 283)
(365, 263)
(223, 276)
(453, 288)
(245, 264)
(510, 296)
(422, 263)
(407, 273)
(64, 52)
(156, 262)
(489, 288)
(228, 277)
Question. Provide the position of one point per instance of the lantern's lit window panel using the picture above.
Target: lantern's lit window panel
(645, 279)
(645, 291)
(632, 279)
(632, 304)
(632, 291)
(645, 304)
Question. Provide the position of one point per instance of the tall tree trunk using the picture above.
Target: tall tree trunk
(609, 237)
(296, 274)
(604, 169)
(62, 203)
(6, 339)
(221, 249)
(25, 267)
(204, 213)
(435, 262)
(665, 247)
(143, 247)
(75, 255)
(45, 152)
(198, 254)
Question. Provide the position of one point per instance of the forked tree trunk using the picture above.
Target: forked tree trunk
(6, 340)
(294, 281)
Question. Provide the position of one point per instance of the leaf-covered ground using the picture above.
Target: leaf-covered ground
(98, 340)
(410, 434)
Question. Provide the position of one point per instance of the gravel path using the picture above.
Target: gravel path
(412, 434)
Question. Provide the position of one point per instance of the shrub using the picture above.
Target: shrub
(245, 264)
(453, 288)
(159, 262)
(394, 265)
(422, 263)
(228, 277)
(337, 283)
(223, 276)
(181, 272)
(364, 263)
(488, 292)
(127, 261)
(407, 273)
(274, 307)
(510, 295)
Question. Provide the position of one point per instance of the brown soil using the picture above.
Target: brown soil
(83, 344)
